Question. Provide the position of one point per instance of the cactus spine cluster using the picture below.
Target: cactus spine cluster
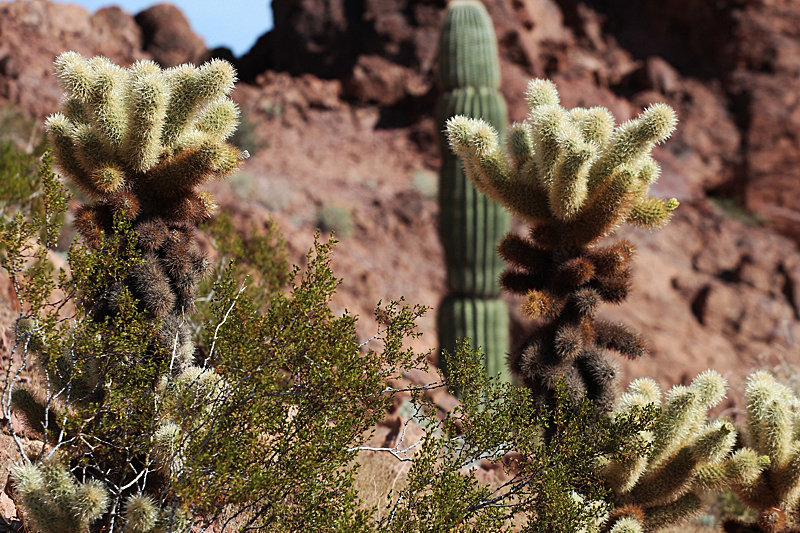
(138, 142)
(53, 501)
(470, 224)
(575, 178)
(688, 455)
(773, 429)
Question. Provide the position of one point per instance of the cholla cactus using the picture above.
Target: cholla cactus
(574, 178)
(138, 142)
(196, 391)
(52, 500)
(773, 429)
(143, 139)
(143, 515)
(688, 455)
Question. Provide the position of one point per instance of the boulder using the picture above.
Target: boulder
(168, 36)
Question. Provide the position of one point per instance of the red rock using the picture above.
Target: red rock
(168, 36)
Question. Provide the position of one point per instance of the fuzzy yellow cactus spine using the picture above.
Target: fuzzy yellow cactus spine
(53, 501)
(773, 429)
(573, 162)
(688, 454)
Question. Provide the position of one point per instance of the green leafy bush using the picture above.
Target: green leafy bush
(279, 398)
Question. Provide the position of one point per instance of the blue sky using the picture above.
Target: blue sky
(232, 23)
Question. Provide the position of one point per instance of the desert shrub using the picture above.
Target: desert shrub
(272, 406)
(335, 219)
(261, 428)
(547, 456)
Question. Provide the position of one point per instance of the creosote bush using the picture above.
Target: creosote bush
(259, 432)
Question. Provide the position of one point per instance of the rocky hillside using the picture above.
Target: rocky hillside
(338, 99)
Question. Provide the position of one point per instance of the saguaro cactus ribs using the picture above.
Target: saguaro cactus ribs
(471, 225)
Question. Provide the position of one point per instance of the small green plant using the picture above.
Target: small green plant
(246, 137)
(18, 177)
(735, 209)
(336, 219)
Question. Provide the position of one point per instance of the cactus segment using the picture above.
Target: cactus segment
(468, 55)
(54, 501)
(141, 130)
(769, 476)
(687, 455)
(471, 223)
(484, 321)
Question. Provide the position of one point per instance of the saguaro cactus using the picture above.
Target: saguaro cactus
(575, 179)
(470, 224)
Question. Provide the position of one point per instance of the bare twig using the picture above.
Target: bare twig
(224, 319)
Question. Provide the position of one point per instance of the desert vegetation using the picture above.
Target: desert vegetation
(153, 387)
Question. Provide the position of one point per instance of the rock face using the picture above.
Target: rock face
(339, 104)
(168, 37)
(34, 33)
(765, 78)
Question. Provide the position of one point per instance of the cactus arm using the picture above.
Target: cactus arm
(146, 92)
(547, 123)
(672, 513)
(632, 141)
(743, 467)
(105, 102)
(75, 75)
(652, 213)
(59, 133)
(219, 119)
(569, 183)
(540, 93)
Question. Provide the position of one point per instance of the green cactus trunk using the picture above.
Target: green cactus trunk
(483, 320)
(471, 225)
